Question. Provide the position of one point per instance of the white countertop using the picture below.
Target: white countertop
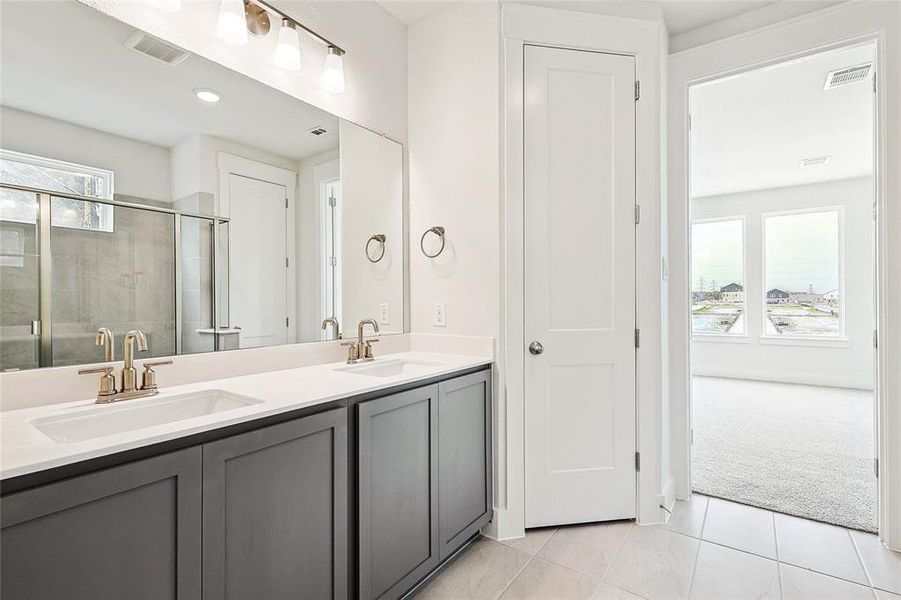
(24, 449)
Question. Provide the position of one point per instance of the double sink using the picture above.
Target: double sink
(103, 420)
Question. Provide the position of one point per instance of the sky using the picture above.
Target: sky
(801, 250)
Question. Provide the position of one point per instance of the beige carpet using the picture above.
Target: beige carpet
(802, 450)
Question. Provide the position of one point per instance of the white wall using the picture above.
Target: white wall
(842, 364)
(371, 194)
(374, 66)
(453, 165)
(141, 169)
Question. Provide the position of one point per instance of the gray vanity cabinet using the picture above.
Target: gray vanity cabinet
(275, 511)
(131, 531)
(397, 456)
(464, 459)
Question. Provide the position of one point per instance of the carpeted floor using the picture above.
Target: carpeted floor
(798, 449)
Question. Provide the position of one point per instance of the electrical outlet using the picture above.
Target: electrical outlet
(439, 315)
(384, 314)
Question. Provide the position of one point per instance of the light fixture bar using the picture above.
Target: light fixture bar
(265, 5)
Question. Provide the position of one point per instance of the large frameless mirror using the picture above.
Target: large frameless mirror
(145, 187)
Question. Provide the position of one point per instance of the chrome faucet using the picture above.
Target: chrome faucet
(104, 337)
(108, 392)
(361, 349)
(335, 329)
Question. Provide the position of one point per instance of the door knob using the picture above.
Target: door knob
(536, 348)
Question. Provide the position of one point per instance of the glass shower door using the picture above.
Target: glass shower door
(20, 292)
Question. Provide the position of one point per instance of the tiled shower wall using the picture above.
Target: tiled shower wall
(121, 280)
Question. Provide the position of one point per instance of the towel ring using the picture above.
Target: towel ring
(437, 230)
(380, 238)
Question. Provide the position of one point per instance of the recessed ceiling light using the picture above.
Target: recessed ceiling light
(814, 161)
(206, 95)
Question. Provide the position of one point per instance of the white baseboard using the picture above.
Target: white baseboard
(824, 379)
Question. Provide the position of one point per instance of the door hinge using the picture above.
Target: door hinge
(875, 338)
(637, 214)
(875, 213)
(35, 328)
(876, 467)
(637, 338)
(332, 202)
(287, 322)
(638, 461)
(332, 261)
(286, 262)
(691, 436)
(286, 203)
(637, 90)
(689, 122)
(874, 83)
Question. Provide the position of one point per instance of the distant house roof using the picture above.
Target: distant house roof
(732, 287)
(833, 294)
(776, 293)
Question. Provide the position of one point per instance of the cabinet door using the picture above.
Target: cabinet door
(275, 511)
(132, 531)
(464, 458)
(398, 491)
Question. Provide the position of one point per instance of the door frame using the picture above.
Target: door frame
(230, 164)
(828, 29)
(529, 25)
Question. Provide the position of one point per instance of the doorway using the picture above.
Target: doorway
(579, 288)
(782, 287)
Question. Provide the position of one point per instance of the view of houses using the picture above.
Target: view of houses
(719, 310)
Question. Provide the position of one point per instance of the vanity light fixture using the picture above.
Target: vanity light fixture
(237, 17)
(287, 51)
(232, 26)
(333, 73)
(207, 95)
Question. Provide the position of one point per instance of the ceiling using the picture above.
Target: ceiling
(751, 131)
(81, 59)
(680, 15)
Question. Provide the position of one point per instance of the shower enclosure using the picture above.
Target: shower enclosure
(70, 264)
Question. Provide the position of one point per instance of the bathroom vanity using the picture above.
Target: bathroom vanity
(326, 482)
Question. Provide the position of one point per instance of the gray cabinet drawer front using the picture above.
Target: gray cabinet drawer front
(131, 531)
(275, 511)
(464, 458)
(398, 529)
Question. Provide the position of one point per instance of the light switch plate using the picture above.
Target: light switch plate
(384, 314)
(439, 315)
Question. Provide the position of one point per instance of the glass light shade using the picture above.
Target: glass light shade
(169, 5)
(333, 73)
(287, 50)
(232, 26)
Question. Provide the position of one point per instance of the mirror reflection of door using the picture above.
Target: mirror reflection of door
(330, 205)
(257, 260)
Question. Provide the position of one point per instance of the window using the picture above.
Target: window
(802, 272)
(52, 175)
(717, 277)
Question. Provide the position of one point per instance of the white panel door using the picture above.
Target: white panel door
(257, 243)
(579, 286)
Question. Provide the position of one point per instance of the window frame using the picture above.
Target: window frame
(805, 340)
(108, 176)
(717, 336)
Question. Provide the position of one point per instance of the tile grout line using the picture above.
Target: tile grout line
(778, 562)
(863, 563)
(616, 554)
(526, 564)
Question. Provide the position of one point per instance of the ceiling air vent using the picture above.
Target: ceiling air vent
(156, 49)
(847, 75)
(319, 130)
(813, 161)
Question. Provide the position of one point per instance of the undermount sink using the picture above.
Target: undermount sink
(110, 419)
(390, 367)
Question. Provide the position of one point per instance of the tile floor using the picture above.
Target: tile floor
(711, 549)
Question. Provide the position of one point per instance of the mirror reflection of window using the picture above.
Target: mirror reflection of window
(718, 304)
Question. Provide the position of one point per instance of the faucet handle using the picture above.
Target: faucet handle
(107, 380)
(148, 378)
